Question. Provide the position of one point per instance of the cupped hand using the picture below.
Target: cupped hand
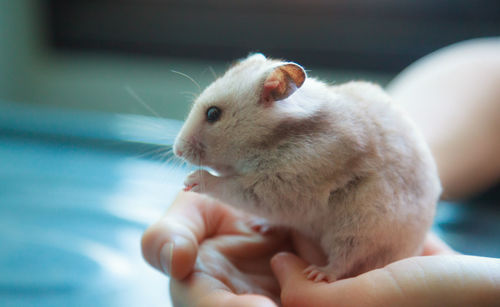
(215, 258)
(214, 255)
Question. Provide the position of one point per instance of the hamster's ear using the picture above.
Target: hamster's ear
(282, 82)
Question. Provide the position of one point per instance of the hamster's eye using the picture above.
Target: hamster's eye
(213, 114)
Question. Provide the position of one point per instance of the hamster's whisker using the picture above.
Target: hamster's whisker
(190, 95)
(142, 102)
(146, 122)
(188, 77)
(153, 152)
(213, 72)
(202, 181)
(165, 162)
(176, 161)
(168, 157)
(164, 155)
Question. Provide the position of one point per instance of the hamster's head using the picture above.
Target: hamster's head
(233, 115)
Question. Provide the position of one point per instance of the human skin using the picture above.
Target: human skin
(433, 280)
(453, 95)
(231, 256)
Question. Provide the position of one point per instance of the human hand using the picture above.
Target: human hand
(213, 255)
(438, 278)
(218, 260)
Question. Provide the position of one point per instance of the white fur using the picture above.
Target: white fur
(355, 175)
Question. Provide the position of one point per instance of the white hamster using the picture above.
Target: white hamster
(341, 164)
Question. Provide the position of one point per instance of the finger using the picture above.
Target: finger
(296, 289)
(447, 280)
(444, 280)
(171, 244)
(287, 268)
(203, 290)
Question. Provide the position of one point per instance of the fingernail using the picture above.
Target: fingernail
(166, 253)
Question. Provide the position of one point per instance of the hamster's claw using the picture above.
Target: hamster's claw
(315, 274)
(261, 226)
(197, 181)
(262, 229)
(189, 187)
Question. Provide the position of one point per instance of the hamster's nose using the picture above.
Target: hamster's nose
(178, 149)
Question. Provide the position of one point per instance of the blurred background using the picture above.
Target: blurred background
(82, 54)
(89, 106)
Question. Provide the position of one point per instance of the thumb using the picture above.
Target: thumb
(170, 247)
(171, 244)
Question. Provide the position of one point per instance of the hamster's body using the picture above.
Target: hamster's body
(341, 164)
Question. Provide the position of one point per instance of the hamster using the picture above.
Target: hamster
(341, 164)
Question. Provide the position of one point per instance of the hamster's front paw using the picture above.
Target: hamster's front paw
(197, 181)
(317, 274)
(261, 226)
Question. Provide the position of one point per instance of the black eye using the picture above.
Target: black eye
(213, 114)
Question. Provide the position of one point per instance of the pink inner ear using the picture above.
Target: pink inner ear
(269, 87)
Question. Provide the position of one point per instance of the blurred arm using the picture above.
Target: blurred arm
(454, 96)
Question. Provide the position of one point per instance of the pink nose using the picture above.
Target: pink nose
(178, 152)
